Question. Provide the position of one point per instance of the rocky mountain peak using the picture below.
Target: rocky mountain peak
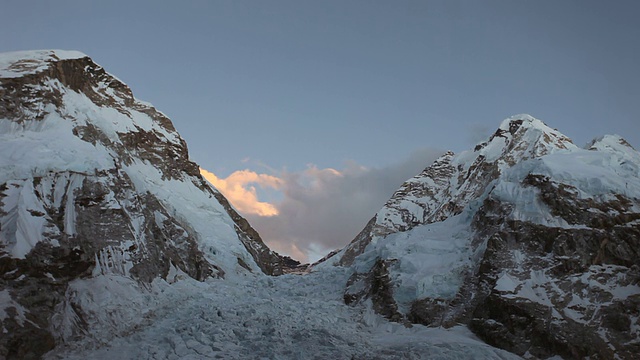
(527, 239)
(60, 80)
(94, 182)
(522, 137)
(446, 187)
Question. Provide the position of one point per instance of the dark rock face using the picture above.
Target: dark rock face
(61, 225)
(377, 286)
(553, 261)
(573, 276)
(358, 244)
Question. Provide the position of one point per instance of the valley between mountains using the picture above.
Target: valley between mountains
(112, 245)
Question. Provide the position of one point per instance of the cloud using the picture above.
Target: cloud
(321, 209)
(238, 190)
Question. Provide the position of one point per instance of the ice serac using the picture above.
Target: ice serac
(529, 240)
(95, 182)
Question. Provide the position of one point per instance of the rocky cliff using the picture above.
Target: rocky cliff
(95, 182)
(531, 241)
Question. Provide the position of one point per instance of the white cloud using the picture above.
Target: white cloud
(321, 209)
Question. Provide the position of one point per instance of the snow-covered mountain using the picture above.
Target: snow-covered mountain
(113, 246)
(529, 240)
(95, 182)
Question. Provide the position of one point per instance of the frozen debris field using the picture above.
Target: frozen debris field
(254, 317)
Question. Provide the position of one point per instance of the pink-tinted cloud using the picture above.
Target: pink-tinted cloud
(238, 188)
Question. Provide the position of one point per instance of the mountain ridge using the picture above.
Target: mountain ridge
(482, 165)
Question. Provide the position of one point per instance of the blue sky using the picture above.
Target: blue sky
(285, 87)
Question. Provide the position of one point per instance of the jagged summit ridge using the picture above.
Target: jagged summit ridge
(521, 137)
(452, 181)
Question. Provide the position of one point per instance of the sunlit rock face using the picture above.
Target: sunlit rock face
(95, 182)
(530, 240)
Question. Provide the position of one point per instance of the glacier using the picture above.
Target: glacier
(258, 317)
